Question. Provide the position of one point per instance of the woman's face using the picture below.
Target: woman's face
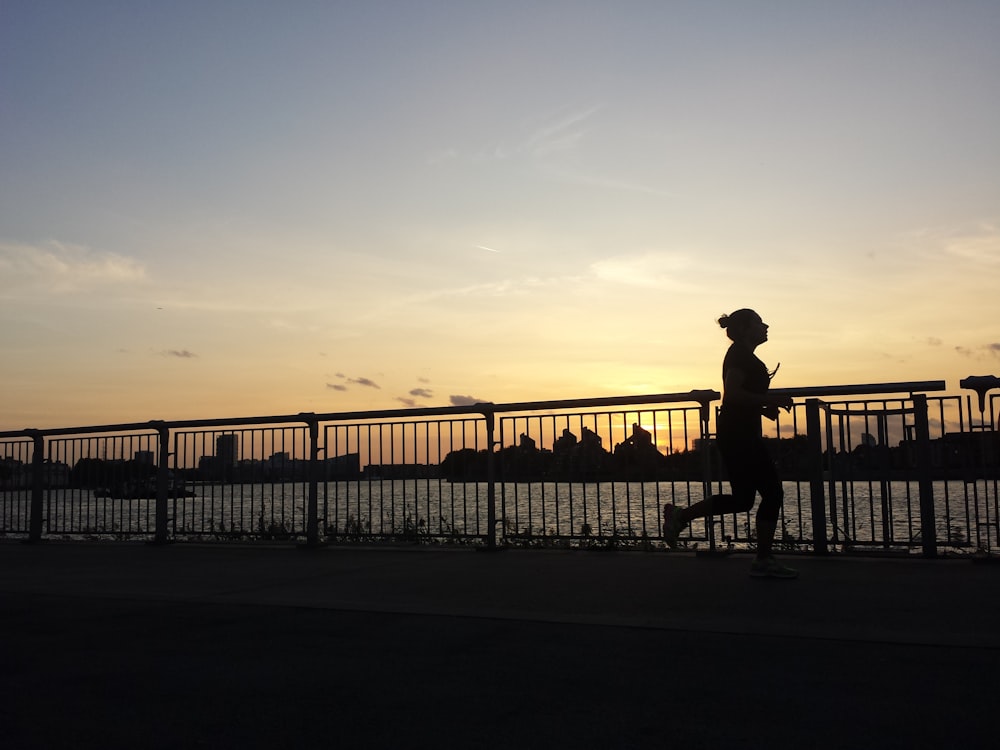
(755, 332)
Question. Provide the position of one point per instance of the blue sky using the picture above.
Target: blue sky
(240, 208)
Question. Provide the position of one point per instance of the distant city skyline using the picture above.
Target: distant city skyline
(572, 457)
(234, 208)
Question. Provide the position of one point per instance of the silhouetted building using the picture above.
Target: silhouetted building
(227, 449)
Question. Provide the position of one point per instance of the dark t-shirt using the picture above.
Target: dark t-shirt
(743, 420)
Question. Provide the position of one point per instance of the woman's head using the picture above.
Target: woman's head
(744, 325)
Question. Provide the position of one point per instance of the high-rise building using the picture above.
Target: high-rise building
(146, 458)
(227, 449)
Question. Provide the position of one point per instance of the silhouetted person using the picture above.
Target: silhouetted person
(745, 399)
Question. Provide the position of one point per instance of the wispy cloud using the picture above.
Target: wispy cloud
(981, 246)
(982, 352)
(180, 354)
(499, 288)
(660, 270)
(978, 244)
(560, 133)
(541, 136)
(465, 400)
(59, 268)
(415, 393)
(608, 183)
(366, 382)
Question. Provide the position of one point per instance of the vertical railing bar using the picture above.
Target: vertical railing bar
(818, 506)
(657, 432)
(509, 474)
(279, 437)
(241, 438)
(940, 402)
(927, 522)
(210, 441)
(180, 463)
(162, 480)
(312, 476)
(705, 444)
(847, 479)
(37, 469)
(631, 529)
(222, 485)
(704, 413)
(491, 508)
(437, 477)
(428, 528)
(451, 484)
(368, 480)
(994, 399)
(571, 475)
(463, 429)
(868, 480)
(847, 476)
(390, 427)
(426, 427)
(352, 489)
(299, 483)
(378, 476)
(330, 471)
(552, 476)
(475, 478)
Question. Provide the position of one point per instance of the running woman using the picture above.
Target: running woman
(745, 399)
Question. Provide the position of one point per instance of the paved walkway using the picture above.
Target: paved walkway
(130, 645)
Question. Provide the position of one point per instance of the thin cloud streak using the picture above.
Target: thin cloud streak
(366, 382)
(560, 134)
(61, 268)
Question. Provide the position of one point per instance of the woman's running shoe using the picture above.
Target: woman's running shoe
(771, 568)
(672, 524)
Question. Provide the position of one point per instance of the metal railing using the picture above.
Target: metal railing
(869, 468)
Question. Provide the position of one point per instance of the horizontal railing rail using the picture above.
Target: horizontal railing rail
(578, 472)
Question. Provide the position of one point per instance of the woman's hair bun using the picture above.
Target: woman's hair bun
(724, 321)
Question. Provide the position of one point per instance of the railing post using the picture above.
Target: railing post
(312, 502)
(817, 496)
(928, 528)
(706, 467)
(37, 485)
(491, 490)
(160, 535)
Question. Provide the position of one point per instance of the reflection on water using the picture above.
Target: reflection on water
(860, 513)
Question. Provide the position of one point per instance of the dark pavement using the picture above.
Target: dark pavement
(132, 645)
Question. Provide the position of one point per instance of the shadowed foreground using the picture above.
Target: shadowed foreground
(188, 646)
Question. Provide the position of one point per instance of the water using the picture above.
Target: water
(867, 514)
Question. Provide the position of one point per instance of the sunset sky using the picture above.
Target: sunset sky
(220, 209)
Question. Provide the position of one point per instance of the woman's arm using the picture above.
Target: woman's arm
(737, 394)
